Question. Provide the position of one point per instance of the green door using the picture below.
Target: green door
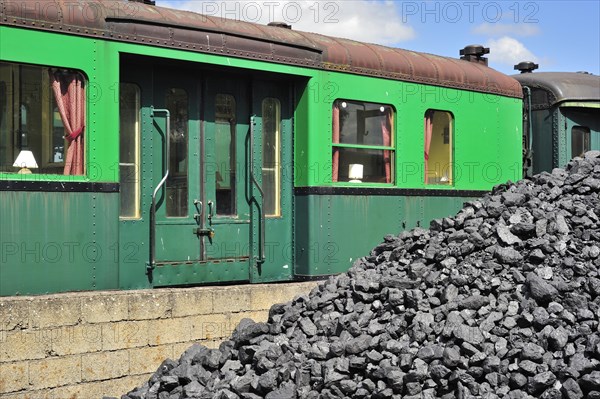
(271, 181)
(178, 199)
(247, 177)
(226, 215)
(215, 221)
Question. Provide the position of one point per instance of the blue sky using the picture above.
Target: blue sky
(558, 35)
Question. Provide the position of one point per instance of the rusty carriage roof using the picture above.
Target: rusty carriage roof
(158, 26)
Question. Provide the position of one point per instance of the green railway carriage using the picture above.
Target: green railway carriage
(561, 116)
(146, 147)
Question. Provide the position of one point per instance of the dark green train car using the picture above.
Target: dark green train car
(145, 147)
(561, 117)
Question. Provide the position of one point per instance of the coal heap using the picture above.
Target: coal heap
(500, 301)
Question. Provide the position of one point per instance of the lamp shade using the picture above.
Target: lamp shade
(355, 171)
(25, 160)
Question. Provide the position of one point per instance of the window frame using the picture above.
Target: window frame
(230, 121)
(137, 157)
(391, 148)
(586, 137)
(178, 208)
(46, 139)
(276, 169)
(451, 140)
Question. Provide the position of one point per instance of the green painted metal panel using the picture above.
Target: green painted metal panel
(340, 229)
(133, 253)
(58, 242)
(487, 130)
(201, 273)
(542, 140)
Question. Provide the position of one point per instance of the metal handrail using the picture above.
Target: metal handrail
(261, 244)
(152, 261)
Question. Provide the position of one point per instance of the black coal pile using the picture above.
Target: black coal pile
(500, 301)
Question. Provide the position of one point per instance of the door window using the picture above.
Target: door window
(438, 147)
(271, 168)
(176, 101)
(129, 150)
(580, 141)
(225, 173)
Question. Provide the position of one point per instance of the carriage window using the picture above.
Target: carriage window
(42, 120)
(225, 154)
(176, 101)
(362, 142)
(271, 168)
(580, 141)
(438, 147)
(129, 152)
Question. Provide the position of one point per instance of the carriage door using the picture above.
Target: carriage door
(247, 136)
(176, 145)
(271, 181)
(226, 218)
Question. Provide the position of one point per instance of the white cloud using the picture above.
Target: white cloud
(364, 20)
(509, 51)
(499, 29)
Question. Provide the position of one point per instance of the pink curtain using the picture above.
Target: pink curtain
(69, 92)
(335, 126)
(428, 134)
(386, 131)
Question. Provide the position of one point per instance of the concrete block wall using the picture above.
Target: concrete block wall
(92, 344)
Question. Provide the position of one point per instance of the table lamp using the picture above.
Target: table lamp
(355, 173)
(25, 160)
